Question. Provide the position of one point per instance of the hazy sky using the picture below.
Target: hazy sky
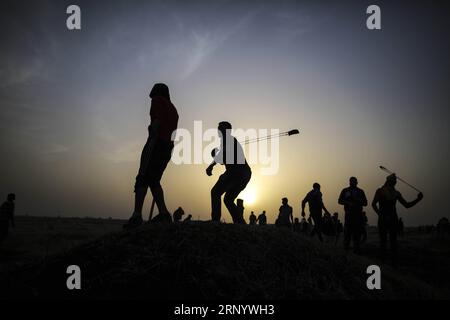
(74, 104)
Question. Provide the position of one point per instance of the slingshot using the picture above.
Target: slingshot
(398, 178)
(270, 137)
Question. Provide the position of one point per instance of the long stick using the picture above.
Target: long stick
(390, 172)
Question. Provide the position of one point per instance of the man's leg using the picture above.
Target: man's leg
(140, 191)
(216, 194)
(356, 232)
(383, 240)
(318, 226)
(347, 231)
(158, 195)
(356, 239)
(157, 165)
(140, 186)
(228, 200)
(363, 234)
(139, 197)
(393, 244)
(237, 184)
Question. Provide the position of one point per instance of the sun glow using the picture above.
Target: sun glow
(249, 195)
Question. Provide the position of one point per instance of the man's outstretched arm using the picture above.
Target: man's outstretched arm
(363, 199)
(215, 154)
(210, 168)
(410, 204)
(341, 199)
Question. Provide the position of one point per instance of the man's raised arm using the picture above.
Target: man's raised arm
(410, 204)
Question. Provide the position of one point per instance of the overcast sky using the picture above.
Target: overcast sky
(74, 104)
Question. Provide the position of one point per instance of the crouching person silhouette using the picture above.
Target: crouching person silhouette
(155, 155)
(235, 178)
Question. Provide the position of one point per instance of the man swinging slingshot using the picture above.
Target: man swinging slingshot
(237, 173)
(385, 206)
(155, 155)
(236, 176)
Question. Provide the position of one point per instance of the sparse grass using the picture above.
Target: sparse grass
(202, 260)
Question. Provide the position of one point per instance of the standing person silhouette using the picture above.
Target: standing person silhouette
(285, 217)
(7, 216)
(155, 155)
(235, 178)
(353, 199)
(315, 202)
(385, 205)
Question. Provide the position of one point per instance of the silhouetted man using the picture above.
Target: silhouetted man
(178, 214)
(285, 217)
(262, 219)
(385, 205)
(252, 218)
(353, 199)
(155, 155)
(315, 202)
(7, 216)
(235, 178)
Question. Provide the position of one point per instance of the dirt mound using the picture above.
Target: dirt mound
(200, 260)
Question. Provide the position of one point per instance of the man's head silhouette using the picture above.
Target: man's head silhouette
(224, 127)
(160, 90)
(391, 180)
